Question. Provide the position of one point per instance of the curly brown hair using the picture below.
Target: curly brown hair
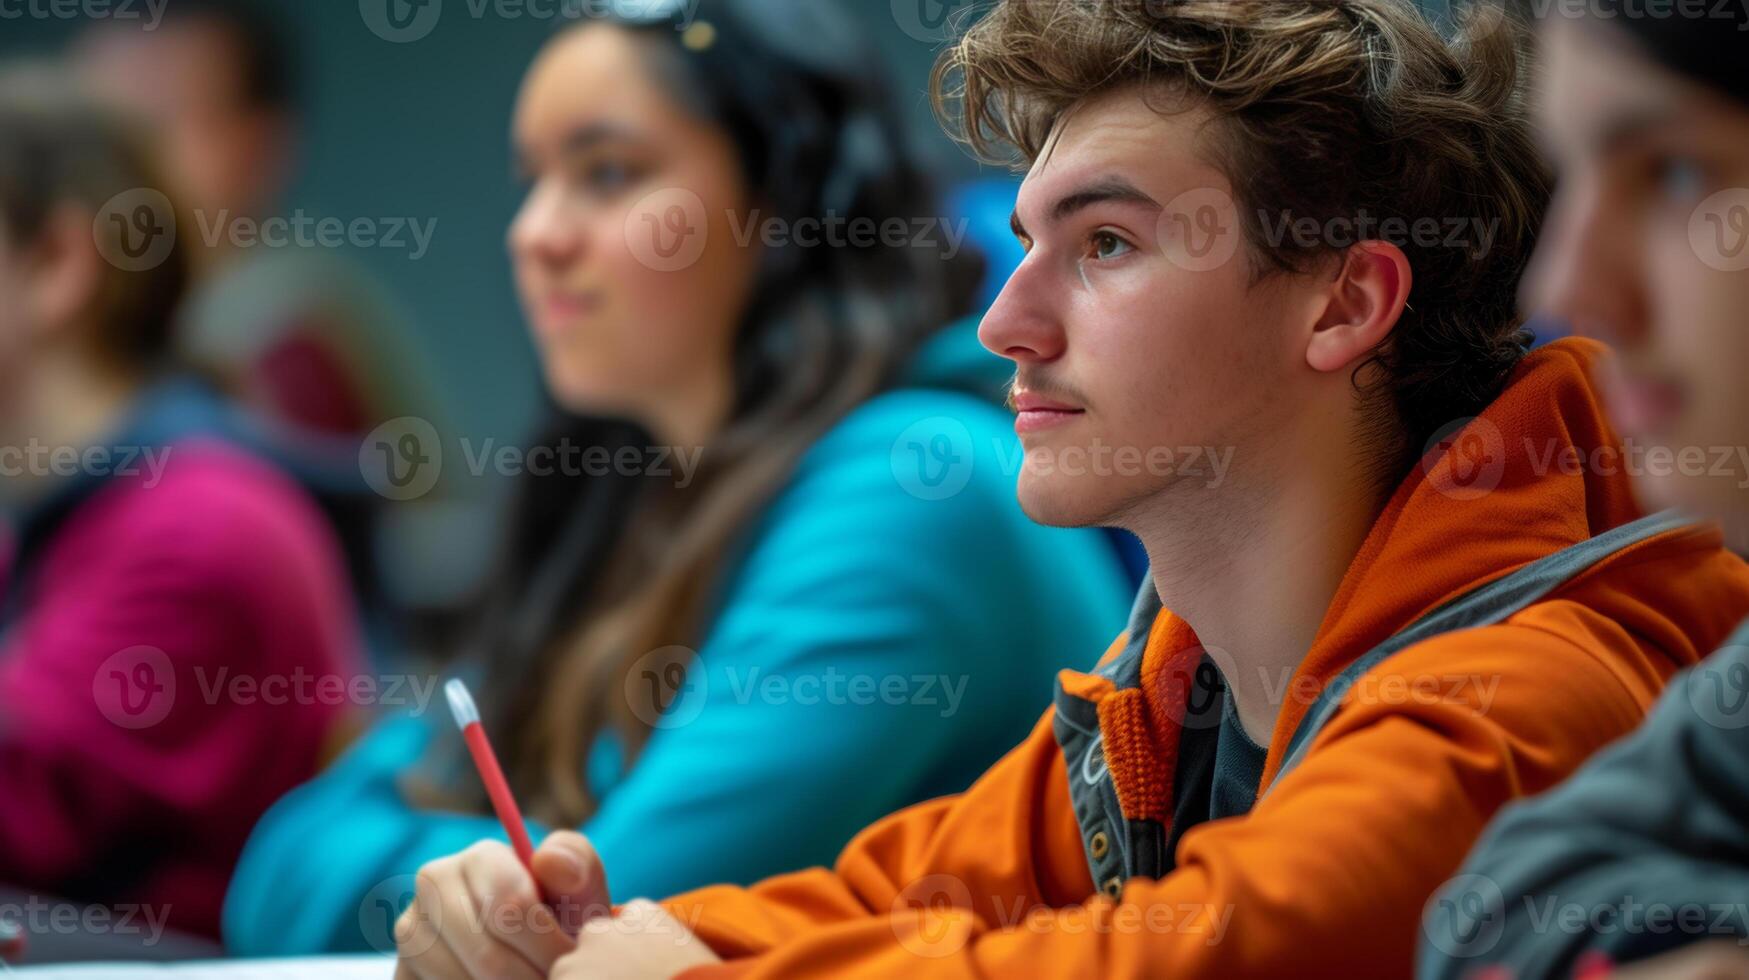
(1323, 109)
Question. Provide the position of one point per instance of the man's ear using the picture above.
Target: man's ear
(65, 271)
(1365, 299)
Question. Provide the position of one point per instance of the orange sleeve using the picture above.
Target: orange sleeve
(1009, 840)
(1325, 877)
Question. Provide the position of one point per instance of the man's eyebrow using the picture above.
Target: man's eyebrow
(1628, 127)
(1104, 190)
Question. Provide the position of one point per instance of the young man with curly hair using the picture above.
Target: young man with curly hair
(1291, 229)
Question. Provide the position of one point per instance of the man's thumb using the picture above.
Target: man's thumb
(571, 879)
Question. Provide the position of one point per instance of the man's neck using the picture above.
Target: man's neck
(1252, 565)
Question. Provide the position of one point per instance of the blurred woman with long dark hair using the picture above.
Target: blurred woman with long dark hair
(842, 611)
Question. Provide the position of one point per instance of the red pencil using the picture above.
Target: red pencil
(1595, 964)
(11, 942)
(467, 717)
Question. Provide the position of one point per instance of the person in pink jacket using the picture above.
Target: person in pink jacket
(176, 631)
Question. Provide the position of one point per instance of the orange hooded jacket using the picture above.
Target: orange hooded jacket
(1327, 875)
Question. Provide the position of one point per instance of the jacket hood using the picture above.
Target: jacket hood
(1539, 470)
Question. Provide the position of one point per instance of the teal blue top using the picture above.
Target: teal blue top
(893, 627)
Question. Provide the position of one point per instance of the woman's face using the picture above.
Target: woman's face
(624, 251)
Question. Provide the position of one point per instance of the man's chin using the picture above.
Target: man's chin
(1055, 502)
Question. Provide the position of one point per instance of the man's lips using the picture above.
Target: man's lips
(1035, 412)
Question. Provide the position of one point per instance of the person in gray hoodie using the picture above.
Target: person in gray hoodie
(1639, 864)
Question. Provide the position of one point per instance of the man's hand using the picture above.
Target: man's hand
(643, 942)
(478, 916)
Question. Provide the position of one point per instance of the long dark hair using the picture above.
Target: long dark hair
(602, 574)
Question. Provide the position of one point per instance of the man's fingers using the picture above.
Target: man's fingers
(572, 878)
(511, 909)
(640, 917)
(462, 924)
(421, 951)
(643, 940)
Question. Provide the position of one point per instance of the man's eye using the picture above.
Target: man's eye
(1680, 178)
(1106, 245)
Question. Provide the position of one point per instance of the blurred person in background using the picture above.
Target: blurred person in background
(157, 579)
(301, 337)
(852, 524)
(1647, 247)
